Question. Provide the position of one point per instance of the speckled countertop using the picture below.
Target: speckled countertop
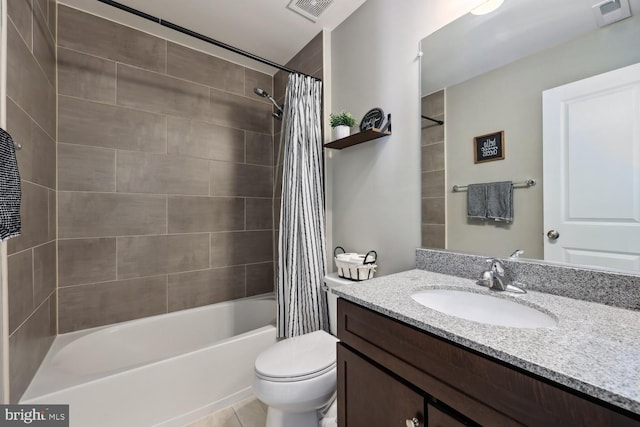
(594, 348)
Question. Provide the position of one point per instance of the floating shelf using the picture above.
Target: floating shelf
(357, 138)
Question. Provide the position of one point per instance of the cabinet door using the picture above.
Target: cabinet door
(370, 397)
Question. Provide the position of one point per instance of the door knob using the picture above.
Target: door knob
(553, 234)
(414, 422)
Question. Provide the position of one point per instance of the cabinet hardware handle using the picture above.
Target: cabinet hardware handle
(414, 422)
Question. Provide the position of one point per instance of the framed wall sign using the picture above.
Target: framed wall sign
(488, 147)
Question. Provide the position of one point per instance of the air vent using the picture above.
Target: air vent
(610, 11)
(310, 9)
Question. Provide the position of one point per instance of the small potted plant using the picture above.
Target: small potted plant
(341, 123)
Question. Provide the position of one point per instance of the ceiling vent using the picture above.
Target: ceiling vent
(310, 9)
(610, 11)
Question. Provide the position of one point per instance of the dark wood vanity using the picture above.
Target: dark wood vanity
(392, 374)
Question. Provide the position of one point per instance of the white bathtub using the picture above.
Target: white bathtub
(165, 370)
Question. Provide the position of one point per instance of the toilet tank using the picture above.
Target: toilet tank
(330, 281)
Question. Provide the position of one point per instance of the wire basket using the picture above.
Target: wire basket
(355, 266)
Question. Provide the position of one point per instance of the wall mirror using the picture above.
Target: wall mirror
(488, 74)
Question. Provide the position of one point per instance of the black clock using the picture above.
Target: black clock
(373, 119)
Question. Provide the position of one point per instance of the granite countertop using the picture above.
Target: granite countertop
(594, 348)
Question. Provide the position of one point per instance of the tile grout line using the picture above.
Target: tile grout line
(235, 414)
(115, 84)
(210, 177)
(33, 279)
(170, 273)
(151, 235)
(115, 171)
(127, 107)
(35, 310)
(116, 259)
(53, 139)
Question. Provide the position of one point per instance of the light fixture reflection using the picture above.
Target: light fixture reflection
(487, 7)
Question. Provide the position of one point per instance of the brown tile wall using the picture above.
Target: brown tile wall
(308, 61)
(165, 176)
(433, 167)
(31, 118)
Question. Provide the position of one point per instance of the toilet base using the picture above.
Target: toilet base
(278, 418)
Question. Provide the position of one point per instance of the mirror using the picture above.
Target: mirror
(493, 69)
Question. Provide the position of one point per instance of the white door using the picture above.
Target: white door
(591, 158)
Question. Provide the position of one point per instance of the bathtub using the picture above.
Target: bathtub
(166, 370)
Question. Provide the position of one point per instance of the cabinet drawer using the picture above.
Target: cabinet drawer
(472, 384)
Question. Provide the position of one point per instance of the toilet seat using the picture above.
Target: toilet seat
(299, 358)
(292, 379)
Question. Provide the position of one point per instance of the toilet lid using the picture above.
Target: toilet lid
(305, 356)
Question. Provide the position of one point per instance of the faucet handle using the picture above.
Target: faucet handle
(496, 265)
(486, 279)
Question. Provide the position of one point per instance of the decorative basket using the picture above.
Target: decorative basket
(355, 266)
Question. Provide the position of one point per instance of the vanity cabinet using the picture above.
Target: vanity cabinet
(390, 372)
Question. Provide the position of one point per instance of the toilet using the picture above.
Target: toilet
(296, 377)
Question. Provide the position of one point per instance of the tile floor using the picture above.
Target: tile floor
(247, 413)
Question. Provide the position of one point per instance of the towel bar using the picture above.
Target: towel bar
(524, 184)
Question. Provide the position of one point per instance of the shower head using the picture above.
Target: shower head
(261, 92)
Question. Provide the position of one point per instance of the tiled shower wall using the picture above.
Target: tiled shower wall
(165, 175)
(433, 170)
(31, 120)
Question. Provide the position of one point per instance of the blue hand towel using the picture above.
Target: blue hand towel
(10, 194)
(477, 201)
(500, 201)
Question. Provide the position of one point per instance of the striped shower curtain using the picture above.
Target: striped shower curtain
(302, 304)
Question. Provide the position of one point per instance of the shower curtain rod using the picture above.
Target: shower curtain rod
(439, 122)
(202, 37)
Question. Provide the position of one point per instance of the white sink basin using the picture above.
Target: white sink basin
(484, 308)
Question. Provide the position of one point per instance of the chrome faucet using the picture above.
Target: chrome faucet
(496, 279)
(516, 254)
